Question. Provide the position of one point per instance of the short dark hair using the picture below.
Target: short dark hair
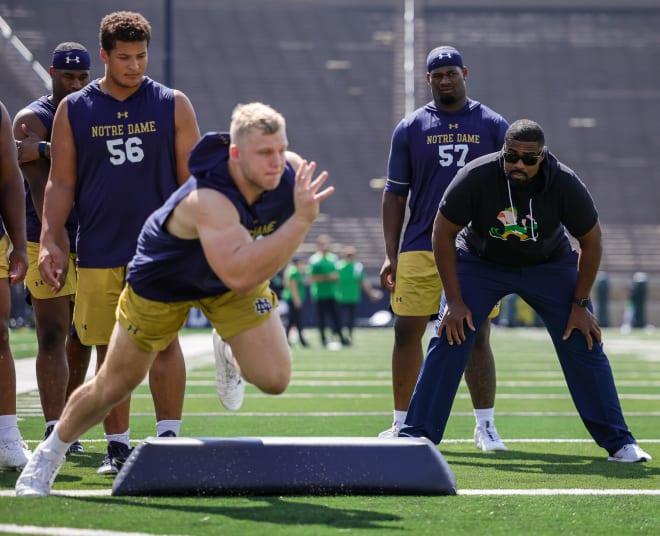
(123, 26)
(524, 130)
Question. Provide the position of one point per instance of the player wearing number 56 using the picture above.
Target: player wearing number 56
(119, 148)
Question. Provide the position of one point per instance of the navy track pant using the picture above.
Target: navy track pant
(548, 289)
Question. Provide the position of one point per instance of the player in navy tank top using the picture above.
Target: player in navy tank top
(62, 360)
(120, 147)
(233, 226)
(428, 147)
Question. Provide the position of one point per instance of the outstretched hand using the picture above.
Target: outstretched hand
(307, 196)
(585, 322)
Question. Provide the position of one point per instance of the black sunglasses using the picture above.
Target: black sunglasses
(527, 159)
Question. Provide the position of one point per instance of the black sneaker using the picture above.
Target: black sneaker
(75, 447)
(114, 458)
(167, 433)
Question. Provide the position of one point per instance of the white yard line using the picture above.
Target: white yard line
(65, 531)
(570, 491)
(480, 492)
(197, 350)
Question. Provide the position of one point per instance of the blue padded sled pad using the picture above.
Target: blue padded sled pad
(285, 466)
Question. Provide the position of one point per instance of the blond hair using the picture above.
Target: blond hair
(257, 115)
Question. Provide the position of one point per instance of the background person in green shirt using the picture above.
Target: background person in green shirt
(323, 278)
(350, 285)
(294, 293)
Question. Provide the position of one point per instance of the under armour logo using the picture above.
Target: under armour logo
(262, 306)
(444, 55)
(132, 329)
(398, 299)
(122, 114)
(70, 59)
(453, 125)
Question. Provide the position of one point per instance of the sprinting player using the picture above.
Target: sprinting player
(201, 249)
(501, 228)
(13, 265)
(59, 350)
(428, 148)
(120, 147)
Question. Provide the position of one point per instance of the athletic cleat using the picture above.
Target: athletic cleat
(114, 458)
(37, 478)
(630, 453)
(75, 447)
(487, 439)
(391, 432)
(14, 454)
(167, 433)
(229, 384)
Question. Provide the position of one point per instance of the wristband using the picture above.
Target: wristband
(41, 149)
(581, 302)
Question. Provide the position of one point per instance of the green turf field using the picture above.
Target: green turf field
(553, 479)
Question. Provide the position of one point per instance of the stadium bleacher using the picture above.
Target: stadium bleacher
(584, 70)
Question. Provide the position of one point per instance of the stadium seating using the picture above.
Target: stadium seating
(334, 68)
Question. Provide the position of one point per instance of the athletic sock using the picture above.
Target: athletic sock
(9, 427)
(400, 418)
(54, 443)
(485, 417)
(168, 425)
(120, 438)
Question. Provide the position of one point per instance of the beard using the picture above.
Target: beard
(517, 182)
(448, 100)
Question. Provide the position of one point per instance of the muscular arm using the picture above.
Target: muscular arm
(393, 212)
(591, 252)
(29, 130)
(239, 261)
(12, 200)
(186, 134)
(58, 200)
(457, 314)
(580, 318)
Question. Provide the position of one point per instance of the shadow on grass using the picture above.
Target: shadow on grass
(277, 510)
(551, 464)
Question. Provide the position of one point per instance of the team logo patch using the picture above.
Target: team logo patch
(263, 306)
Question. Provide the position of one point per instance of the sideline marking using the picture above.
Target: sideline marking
(66, 531)
(444, 441)
(559, 491)
(499, 492)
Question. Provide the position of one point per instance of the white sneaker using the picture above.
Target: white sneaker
(229, 384)
(39, 473)
(14, 454)
(487, 439)
(630, 453)
(391, 432)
